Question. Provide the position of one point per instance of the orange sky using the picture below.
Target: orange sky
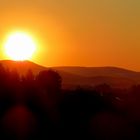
(77, 32)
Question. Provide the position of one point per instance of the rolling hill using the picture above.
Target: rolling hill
(82, 76)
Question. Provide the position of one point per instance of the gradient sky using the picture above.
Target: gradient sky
(77, 32)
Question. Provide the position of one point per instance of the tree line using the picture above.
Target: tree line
(36, 107)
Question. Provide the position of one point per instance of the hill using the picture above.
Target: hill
(82, 76)
(22, 66)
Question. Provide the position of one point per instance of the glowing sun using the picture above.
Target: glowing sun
(20, 46)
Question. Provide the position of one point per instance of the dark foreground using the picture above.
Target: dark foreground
(36, 107)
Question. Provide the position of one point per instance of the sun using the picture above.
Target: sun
(19, 46)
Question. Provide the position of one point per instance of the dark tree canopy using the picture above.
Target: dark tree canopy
(49, 80)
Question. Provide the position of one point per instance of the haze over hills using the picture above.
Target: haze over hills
(82, 76)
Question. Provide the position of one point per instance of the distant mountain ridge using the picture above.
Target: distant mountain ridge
(22, 66)
(82, 76)
(102, 71)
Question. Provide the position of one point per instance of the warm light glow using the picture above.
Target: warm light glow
(20, 46)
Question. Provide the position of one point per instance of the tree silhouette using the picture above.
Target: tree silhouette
(28, 79)
(30, 75)
(2, 75)
(49, 80)
(4, 80)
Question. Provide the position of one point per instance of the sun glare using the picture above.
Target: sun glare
(19, 46)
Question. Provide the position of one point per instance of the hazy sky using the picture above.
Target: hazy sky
(77, 32)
